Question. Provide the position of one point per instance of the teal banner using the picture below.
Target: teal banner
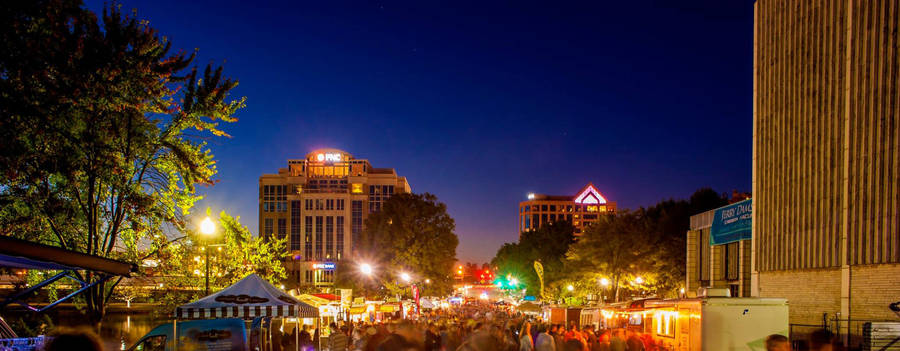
(731, 223)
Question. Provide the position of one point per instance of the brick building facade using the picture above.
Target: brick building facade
(826, 160)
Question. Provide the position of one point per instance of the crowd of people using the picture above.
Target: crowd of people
(469, 328)
(477, 328)
(480, 328)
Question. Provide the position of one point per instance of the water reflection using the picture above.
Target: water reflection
(121, 330)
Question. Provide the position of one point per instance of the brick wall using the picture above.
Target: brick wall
(872, 288)
(810, 293)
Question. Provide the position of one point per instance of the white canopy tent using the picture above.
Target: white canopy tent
(248, 298)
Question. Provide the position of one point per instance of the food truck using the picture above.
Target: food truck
(227, 334)
(715, 323)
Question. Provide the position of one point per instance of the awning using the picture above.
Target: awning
(358, 309)
(248, 298)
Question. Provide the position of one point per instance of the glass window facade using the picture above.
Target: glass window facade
(319, 253)
(329, 237)
(294, 244)
(307, 242)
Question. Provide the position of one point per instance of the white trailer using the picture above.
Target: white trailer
(716, 323)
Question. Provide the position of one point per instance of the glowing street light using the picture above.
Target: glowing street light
(365, 269)
(207, 226)
(513, 281)
(604, 282)
(428, 281)
(406, 277)
(570, 287)
(639, 280)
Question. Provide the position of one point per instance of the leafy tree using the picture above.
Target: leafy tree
(103, 131)
(612, 247)
(234, 253)
(548, 244)
(667, 222)
(647, 243)
(411, 233)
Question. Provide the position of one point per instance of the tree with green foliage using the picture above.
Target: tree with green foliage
(411, 233)
(648, 243)
(234, 253)
(104, 131)
(548, 245)
(612, 248)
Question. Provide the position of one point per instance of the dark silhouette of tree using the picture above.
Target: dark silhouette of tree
(412, 233)
(104, 131)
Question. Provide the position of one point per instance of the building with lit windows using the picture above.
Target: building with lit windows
(319, 204)
(580, 210)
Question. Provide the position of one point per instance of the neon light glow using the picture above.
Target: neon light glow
(329, 157)
(590, 195)
(326, 265)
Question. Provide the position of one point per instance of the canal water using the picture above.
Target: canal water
(119, 330)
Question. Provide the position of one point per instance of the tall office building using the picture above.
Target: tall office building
(826, 160)
(580, 209)
(319, 204)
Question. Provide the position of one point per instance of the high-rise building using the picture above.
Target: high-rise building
(580, 209)
(826, 160)
(319, 204)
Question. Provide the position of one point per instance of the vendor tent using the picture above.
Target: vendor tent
(248, 298)
(528, 307)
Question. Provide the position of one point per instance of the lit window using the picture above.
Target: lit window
(592, 208)
(356, 188)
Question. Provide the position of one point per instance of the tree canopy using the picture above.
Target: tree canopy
(547, 244)
(104, 130)
(411, 233)
(647, 243)
(233, 253)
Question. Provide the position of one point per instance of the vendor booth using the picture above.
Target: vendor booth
(273, 313)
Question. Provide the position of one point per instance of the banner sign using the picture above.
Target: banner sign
(731, 223)
(539, 269)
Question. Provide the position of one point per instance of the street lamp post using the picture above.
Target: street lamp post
(207, 227)
(604, 283)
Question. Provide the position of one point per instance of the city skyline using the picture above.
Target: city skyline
(442, 102)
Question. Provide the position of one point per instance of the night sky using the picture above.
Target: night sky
(481, 102)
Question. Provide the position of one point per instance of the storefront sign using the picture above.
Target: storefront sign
(326, 265)
(731, 223)
(329, 157)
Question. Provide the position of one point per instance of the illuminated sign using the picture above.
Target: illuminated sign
(326, 265)
(590, 195)
(329, 157)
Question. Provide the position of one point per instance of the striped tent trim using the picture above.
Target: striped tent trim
(247, 312)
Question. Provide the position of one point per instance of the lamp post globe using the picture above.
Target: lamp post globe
(365, 269)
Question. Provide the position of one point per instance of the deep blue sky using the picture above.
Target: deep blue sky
(482, 102)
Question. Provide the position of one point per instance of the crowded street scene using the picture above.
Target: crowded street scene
(644, 175)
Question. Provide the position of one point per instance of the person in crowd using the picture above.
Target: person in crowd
(338, 340)
(526, 343)
(86, 340)
(823, 340)
(559, 335)
(617, 342)
(634, 342)
(777, 342)
(544, 341)
(432, 338)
